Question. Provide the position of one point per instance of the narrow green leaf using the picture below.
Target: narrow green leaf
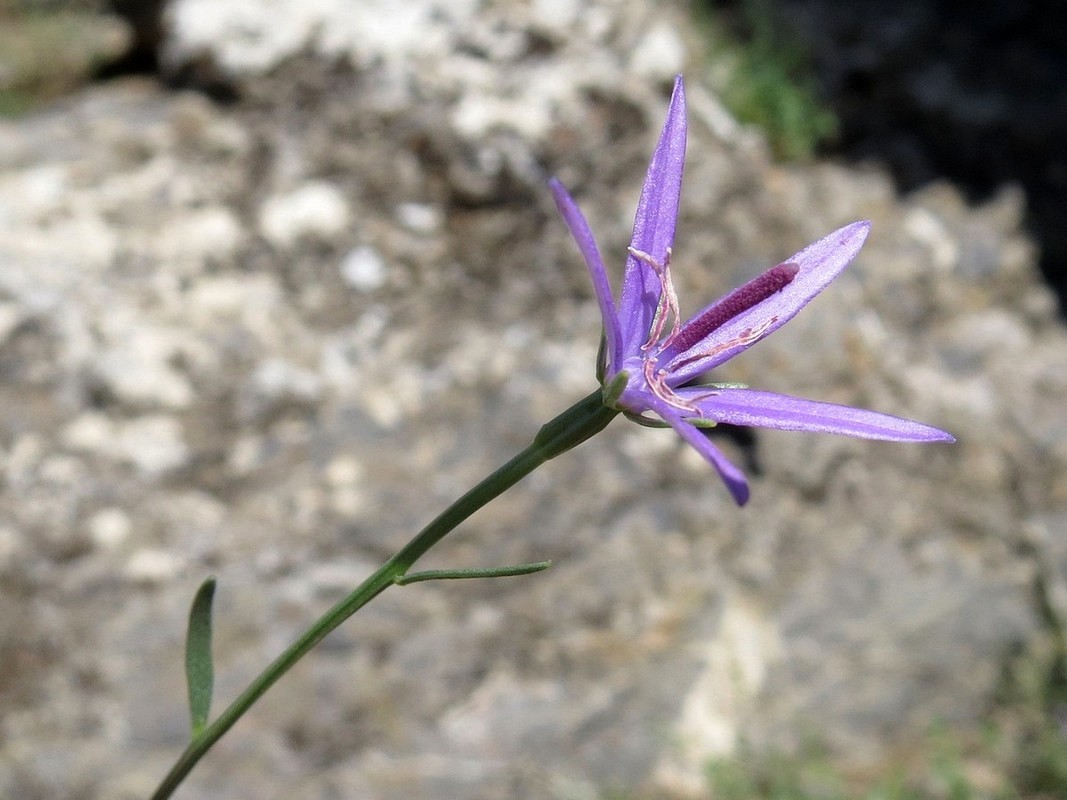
(463, 574)
(199, 671)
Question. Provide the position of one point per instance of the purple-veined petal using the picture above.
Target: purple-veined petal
(758, 409)
(819, 264)
(657, 213)
(583, 236)
(733, 477)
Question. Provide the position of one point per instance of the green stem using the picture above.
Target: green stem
(581, 421)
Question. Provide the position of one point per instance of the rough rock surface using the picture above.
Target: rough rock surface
(268, 341)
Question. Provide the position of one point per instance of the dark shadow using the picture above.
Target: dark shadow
(147, 19)
(146, 23)
(974, 91)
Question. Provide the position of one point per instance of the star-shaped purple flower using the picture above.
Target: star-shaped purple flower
(650, 359)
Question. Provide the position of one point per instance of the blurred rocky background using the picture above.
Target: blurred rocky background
(267, 308)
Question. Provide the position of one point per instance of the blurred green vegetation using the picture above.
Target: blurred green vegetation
(765, 78)
(942, 774)
(1020, 754)
(50, 47)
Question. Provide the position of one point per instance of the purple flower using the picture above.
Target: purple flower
(650, 359)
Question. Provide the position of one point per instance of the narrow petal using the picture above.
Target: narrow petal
(818, 263)
(733, 477)
(583, 236)
(657, 213)
(758, 409)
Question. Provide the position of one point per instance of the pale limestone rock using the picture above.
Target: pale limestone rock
(316, 210)
(363, 269)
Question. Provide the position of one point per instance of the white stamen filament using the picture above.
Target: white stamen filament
(746, 338)
(655, 378)
(667, 305)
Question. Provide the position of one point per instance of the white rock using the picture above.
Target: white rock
(153, 444)
(224, 297)
(138, 369)
(90, 431)
(10, 317)
(203, 234)
(153, 565)
(237, 33)
(109, 527)
(316, 209)
(476, 115)
(252, 36)
(39, 191)
(344, 475)
(383, 30)
(928, 230)
(278, 378)
(363, 269)
(555, 15)
(419, 217)
(276, 382)
(344, 471)
(660, 53)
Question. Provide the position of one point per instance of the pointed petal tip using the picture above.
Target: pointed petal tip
(740, 491)
(754, 408)
(734, 478)
(676, 110)
(828, 256)
(863, 230)
(858, 230)
(679, 88)
(919, 434)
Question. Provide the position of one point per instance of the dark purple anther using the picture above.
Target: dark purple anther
(738, 301)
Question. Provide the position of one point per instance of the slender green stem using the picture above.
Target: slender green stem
(581, 421)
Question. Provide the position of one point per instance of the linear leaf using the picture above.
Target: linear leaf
(199, 670)
(461, 574)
